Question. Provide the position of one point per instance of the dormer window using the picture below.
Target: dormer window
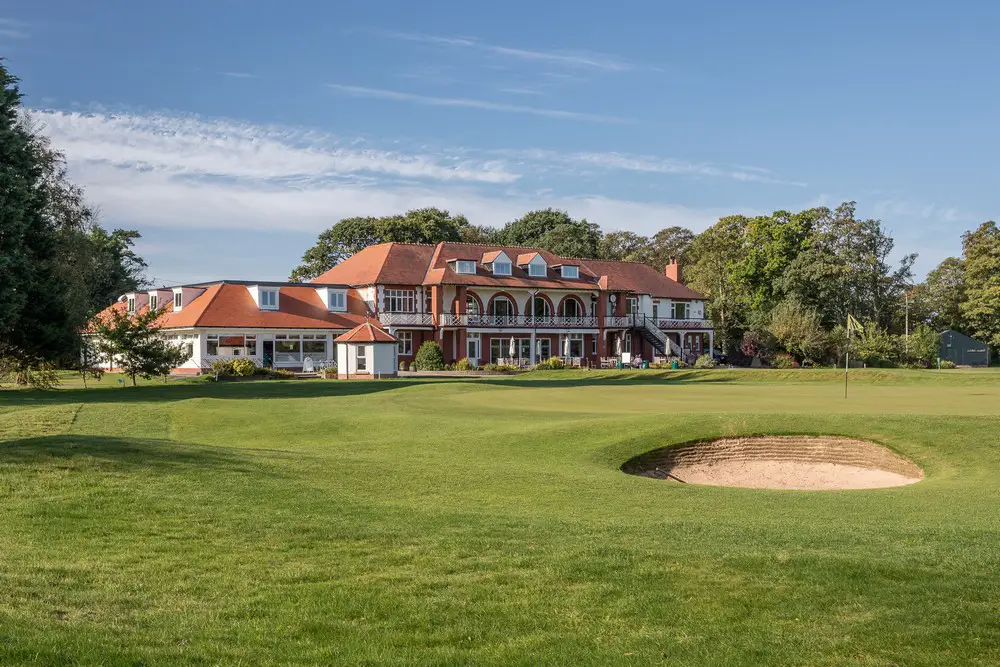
(337, 301)
(131, 304)
(571, 272)
(501, 268)
(269, 299)
(536, 270)
(466, 266)
(178, 300)
(153, 298)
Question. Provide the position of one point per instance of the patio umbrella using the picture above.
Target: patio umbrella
(566, 347)
(618, 345)
(513, 347)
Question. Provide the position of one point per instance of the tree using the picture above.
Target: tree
(554, 231)
(924, 344)
(798, 329)
(35, 325)
(352, 235)
(624, 246)
(133, 344)
(981, 309)
(479, 234)
(666, 243)
(714, 255)
(429, 357)
(875, 345)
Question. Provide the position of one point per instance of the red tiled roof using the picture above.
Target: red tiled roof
(491, 255)
(365, 333)
(526, 257)
(385, 264)
(441, 272)
(230, 306)
(638, 278)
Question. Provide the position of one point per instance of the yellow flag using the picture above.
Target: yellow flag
(853, 324)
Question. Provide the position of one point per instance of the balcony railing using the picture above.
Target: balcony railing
(632, 321)
(406, 319)
(517, 321)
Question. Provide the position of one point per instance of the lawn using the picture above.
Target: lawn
(487, 522)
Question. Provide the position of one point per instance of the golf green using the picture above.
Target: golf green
(488, 522)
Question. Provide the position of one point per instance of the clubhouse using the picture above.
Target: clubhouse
(509, 305)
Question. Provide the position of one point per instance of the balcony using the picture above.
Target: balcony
(517, 321)
(633, 321)
(406, 319)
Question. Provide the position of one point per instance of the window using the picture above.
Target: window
(540, 307)
(536, 270)
(337, 301)
(405, 342)
(472, 347)
(571, 272)
(593, 345)
(269, 299)
(314, 345)
(502, 306)
(152, 301)
(679, 310)
(627, 343)
(472, 305)
(543, 348)
(571, 308)
(631, 305)
(399, 301)
(465, 266)
(178, 300)
(362, 357)
(131, 304)
(212, 345)
(501, 268)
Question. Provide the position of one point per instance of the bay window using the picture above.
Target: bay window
(405, 339)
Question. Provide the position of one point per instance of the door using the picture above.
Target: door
(268, 347)
(472, 351)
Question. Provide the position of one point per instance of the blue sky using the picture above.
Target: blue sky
(231, 133)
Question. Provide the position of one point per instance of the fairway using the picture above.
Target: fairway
(487, 522)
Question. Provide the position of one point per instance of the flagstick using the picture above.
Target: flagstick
(847, 355)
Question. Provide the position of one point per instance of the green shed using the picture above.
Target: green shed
(963, 350)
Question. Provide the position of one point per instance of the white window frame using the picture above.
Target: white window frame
(684, 306)
(497, 299)
(632, 305)
(405, 339)
(131, 304)
(406, 300)
(361, 358)
(574, 340)
(572, 272)
(465, 266)
(269, 299)
(502, 268)
(577, 304)
(178, 300)
(153, 301)
(337, 301)
(537, 270)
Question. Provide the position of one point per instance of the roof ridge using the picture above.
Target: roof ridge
(197, 320)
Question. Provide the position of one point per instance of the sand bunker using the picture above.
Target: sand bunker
(779, 462)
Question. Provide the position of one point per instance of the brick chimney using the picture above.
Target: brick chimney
(673, 270)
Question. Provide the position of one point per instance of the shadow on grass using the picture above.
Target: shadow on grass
(268, 389)
(133, 453)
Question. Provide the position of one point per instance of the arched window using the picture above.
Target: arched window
(472, 305)
(502, 306)
(540, 307)
(571, 308)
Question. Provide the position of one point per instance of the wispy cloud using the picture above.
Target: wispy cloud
(656, 165)
(576, 59)
(189, 146)
(399, 96)
(520, 91)
(238, 75)
(13, 29)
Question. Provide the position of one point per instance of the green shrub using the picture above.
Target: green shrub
(463, 364)
(330, 372)
(281, 374)
(491, 367)
(403, 366)
(706, 361)
(243, 367)
(429, 357)
(555, 363)
(449, 367)
(784, 361)
(223, 367)
(948, 365)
